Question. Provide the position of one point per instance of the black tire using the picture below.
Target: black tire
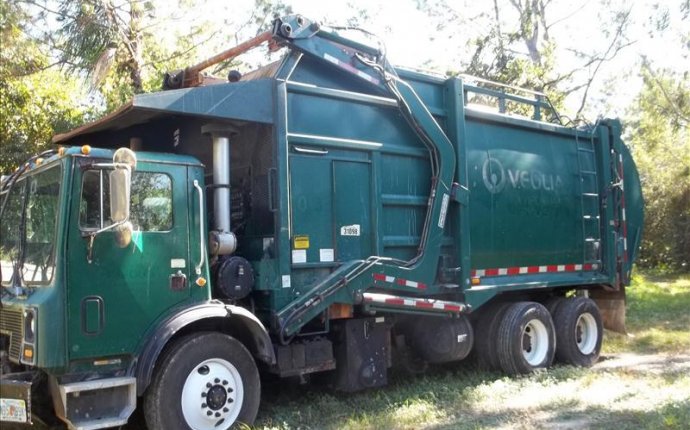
(526, 339)
(486, 332)
(579, 331)
(552, 303)
(189, 357)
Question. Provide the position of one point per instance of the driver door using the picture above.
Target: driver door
(119, 283)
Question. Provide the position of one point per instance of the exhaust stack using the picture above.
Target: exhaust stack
(222, 241)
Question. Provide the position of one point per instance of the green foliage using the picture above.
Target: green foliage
(36, 101)
(659, 135)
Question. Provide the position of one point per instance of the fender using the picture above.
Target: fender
(158, 338)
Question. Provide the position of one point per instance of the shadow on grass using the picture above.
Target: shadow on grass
(447, 397)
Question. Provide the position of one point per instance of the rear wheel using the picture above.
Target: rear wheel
(552, 304)
(526, 340)
(206, 381)
(486, 332)
(579, 330)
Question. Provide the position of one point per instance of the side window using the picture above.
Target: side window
(94, 207)
(151, 201)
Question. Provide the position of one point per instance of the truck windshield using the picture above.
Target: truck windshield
(28, 227)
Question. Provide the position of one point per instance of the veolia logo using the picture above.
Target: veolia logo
(496, 177)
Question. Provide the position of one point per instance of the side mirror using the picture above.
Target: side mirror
(125, 161)
(120, 190)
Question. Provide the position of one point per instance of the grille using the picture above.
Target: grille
(11, 325)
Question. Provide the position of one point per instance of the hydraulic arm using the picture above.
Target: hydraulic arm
(347, 284)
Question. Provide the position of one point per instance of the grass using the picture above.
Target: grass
(658, 318)
(643, 382)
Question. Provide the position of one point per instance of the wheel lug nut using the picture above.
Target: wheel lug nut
(203, 394)
(209, 413)
(216, 380)
(203, 405)
(230, 400)
(209, 385)
(230, 390)
(217, 414)
(225, 409)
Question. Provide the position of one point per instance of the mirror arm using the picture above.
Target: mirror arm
(202, 236)
(89, 249)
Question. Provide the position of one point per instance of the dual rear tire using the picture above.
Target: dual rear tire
(524, 337)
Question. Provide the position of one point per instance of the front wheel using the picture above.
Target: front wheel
(205, 381)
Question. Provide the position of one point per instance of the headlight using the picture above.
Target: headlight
(30, 325)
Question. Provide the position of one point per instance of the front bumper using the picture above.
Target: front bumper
(15, 397)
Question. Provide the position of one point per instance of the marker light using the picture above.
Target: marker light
(61, 151)
(86, 149)
(39, 161)
(201, 281)
(476, 281)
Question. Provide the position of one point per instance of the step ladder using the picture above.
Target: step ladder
(590, 201)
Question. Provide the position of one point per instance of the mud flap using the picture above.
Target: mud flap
(612, 307)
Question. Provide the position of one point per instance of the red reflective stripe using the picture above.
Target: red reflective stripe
(588, 266)
(533, 269)
(454, 308)
(569, 267)
(421, 286)
(379, 277)
(423, 304)
(401, 282)
(491, 272)
(396, 301)
(552, 268)
(513, 270)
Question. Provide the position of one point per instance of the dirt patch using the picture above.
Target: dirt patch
(657, 364)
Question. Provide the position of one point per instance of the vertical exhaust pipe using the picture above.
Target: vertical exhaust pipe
(222, 240)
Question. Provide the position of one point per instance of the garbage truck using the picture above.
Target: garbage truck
(328, 214)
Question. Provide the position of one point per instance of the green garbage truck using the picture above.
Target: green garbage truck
(326, 214)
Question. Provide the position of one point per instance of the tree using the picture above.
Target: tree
(659, 135)
(36, 101)
(511, 42)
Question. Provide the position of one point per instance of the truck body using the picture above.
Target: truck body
(327, 213)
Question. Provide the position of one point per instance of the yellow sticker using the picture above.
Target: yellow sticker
(301, 242)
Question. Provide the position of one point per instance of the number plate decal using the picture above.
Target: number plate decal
(13, 410)
(350, 230)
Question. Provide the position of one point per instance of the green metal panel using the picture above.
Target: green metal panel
(352, 210)
(524, 204)
(311, 193)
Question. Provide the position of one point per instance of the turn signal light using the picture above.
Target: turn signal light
(28, 353)
(476, 281)
(201, 281)
(86, 149)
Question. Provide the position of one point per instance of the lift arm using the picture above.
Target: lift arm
(369, 64)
